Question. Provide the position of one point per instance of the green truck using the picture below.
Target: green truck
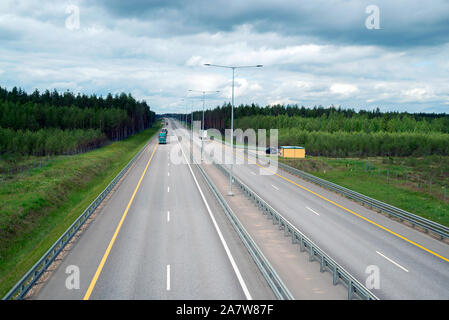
(162, 137)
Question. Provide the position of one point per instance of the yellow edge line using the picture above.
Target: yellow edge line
(111, 243)
(354, 213)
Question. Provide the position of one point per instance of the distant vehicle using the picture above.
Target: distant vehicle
(166, 123)
(162, 138)
(165, 130)
(271, 150)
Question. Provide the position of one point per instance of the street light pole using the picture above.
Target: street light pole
(182, 100)
(232, 114)
(202, 122)
(232, 135)
(191, 135)
(202, 129)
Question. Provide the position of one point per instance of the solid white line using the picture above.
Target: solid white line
(397, 264)
(168, 189)
(313, 211)
(168, 277)
(220, 235)
(252, 173)
(275, 187)
(168, 216)
(168, 173)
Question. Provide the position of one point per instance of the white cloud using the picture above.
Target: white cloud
(343, 89)
(195, 61)
(138, 55)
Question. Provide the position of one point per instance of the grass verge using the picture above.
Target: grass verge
(38, 205)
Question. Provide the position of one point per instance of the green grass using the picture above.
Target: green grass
(401, 182)
(38, 205)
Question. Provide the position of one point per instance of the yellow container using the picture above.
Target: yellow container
(293, 152)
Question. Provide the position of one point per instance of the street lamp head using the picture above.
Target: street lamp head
(259, 66)
(207, 64)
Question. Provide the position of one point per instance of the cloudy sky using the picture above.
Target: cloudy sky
(314, 52)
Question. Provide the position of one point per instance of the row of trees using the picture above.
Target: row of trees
(46, 142)
(32, 116)
(323, 119)
(117, 116)
(340, 132)
(29, 115)
(338, 122)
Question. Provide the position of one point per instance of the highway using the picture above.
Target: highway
(411, 264)
(161, 235)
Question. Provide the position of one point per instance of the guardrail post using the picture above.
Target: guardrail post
(311, 253)
(286, 230)
(350, 289)
(335, 276)
(301, 245)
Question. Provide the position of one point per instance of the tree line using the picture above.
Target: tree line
(113, 118)
(318, 118)
(338, 122)
(340, 132)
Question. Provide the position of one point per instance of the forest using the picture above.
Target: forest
(338, 132)
(53, 123)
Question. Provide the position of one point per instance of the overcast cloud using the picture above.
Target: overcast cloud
(313, 52)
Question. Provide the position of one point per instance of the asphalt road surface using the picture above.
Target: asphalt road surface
(158, 237)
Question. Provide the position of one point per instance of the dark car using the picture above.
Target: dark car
(271, 150)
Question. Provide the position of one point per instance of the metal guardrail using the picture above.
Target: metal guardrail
(315, 253)
(29, 279)
(274, 281)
